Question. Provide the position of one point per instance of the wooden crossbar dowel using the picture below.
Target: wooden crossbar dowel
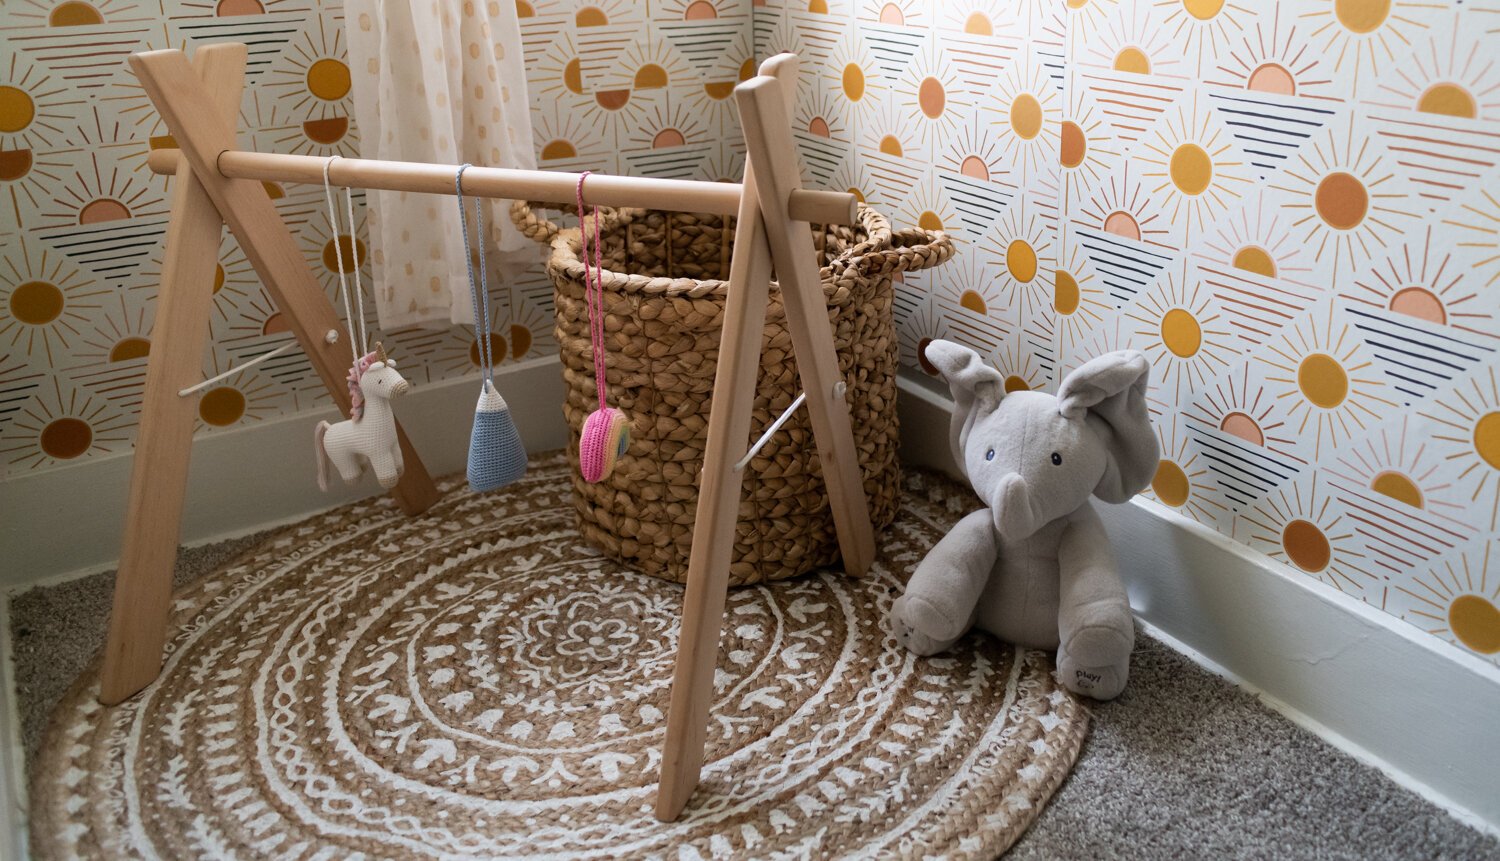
(680, 195)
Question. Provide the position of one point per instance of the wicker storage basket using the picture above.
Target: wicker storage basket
(664, 293)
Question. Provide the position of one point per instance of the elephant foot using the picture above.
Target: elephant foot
(920, 627)
(1095, 662)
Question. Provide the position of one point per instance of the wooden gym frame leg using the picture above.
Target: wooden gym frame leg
(158, 477)
(200, 110)
(761, 216)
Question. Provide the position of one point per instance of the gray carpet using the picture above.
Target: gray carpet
(1184, 765)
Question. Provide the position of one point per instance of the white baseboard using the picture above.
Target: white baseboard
(1421, 710)
(13, 831)
(68, 521)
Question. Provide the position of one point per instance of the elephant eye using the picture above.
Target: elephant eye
(989, 455)
(1056, 459)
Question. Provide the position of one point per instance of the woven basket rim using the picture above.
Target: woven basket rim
(566, 246)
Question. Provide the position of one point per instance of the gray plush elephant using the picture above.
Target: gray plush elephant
(1036, 568)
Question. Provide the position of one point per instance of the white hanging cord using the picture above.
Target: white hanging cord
(359, 288)
(771, 431)
(235, 370)
(357, 346)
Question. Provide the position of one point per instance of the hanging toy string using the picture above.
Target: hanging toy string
(478, 290)
(593, 285)
(359, 346)
(605, 436)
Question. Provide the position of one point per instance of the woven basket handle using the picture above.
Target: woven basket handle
(542, 230)
(910, 249)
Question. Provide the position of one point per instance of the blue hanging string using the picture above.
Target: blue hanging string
(478, 290)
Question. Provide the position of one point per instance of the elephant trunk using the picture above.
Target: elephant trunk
(1014, 511)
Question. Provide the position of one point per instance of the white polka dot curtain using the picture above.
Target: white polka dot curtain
(437, 81)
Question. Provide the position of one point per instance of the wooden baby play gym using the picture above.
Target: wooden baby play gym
(216, 184)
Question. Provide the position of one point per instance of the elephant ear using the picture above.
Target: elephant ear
(977, 389)
(1111, 391)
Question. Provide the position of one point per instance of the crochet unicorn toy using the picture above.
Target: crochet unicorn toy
(370, 431)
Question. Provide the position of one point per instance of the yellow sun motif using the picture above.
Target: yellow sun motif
(1305, 527)
(565, 142)
(1121, 206)
(1257, 240)
(59, 424)
(853, 177)
(931, 98)
(852, 74)
(662, 129)
(1344, 197)
(1085, 147)
(1029, 114)
(822, 116)
(557, 76)
(711, 96)
(645, 66)
(243, 397)
(1478, 232)
(1423, 282)
(928, 207)
(1276, 59)
(1468, 437)
(1204, 27)
(973, 18)
(894, 13)
(1021, 250)
(78, 13)
(1182, 480)
(1086, 17)
(33, 111)
(99, 192)
(323, 250)
(1398, 464)
(1458, 600)
(889, 147)
(44, 304)
(1192, 166)
(123, 335)
(1079, 303)
(1449, 76)
(312, 81)
(974, 308)
(974, 152)
(1360, 35)
(1180, 330)
(1019, 366)
(1329, 389)
(1243, 409)
(1135, 43)
(695, 10)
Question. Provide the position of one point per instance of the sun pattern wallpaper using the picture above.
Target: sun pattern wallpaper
(1292, 207)
(616, 87)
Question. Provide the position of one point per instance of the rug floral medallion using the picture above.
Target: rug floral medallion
(477, 682)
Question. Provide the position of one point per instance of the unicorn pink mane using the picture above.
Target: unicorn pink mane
(356, 395)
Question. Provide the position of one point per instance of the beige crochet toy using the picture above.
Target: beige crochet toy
(370, 432)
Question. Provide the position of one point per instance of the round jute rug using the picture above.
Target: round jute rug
(478, 683)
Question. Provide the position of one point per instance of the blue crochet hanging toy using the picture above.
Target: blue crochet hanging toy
(496, 455)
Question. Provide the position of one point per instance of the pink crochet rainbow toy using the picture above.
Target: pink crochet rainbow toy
(606, 431)
(606, 435)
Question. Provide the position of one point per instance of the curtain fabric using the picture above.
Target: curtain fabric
(444, 82)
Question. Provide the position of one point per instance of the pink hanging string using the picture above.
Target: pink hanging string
(593, 286)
